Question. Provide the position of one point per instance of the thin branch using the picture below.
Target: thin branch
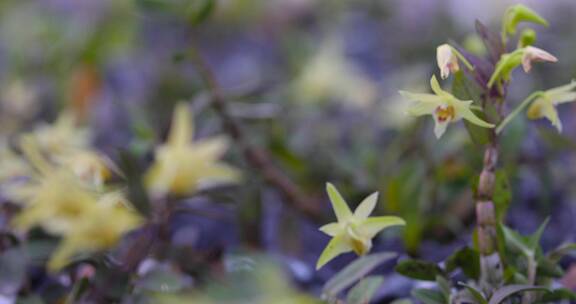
(256, 157)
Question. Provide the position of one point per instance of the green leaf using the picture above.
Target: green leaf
(562, 250)
(429, 296)
(33, 299)
(506, 291)
(517, 242)
(355, 271)
(200, 10)
(478, 296)
(419, 270)
(520, 13)
(364, 291)
(466, 259)
(444, 285)
(557, 295)
(549, 268)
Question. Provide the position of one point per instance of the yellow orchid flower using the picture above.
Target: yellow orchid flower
(61, 136)
(89, 166)
(181, 165)
(545, 104)
(444, 107)
(353, 231)
(54, 198)
(96, 229)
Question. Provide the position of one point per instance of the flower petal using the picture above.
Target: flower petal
(535, 54)
(182, 128)
(440, 126)
(466, 113)
(331, 229)
(339, 205)
(366, 207)
(436, 88)
(422, 108)
(447, 60)
(543, 107)
(335, 247)
(422, 97)
(373, 225)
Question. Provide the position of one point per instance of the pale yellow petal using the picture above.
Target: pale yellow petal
(466, 113)
(440, 127)
(335, 247)
(331, 229)
(366, 207)
(422, 108)
(421, 97)
(373, 225)
(436, 88)
(339, 205)
(182, 128)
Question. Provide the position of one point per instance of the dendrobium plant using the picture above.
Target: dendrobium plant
(524, 56)
(444, 107)
(353, 231)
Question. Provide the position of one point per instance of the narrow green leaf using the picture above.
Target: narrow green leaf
(506, 291)
(419, 270)
(463, 89)
(478, 296)
(429, 296)
(355, 271)
(556, 254)
(200, 10)
(466, 259)
(534, 240)
(363, 292)
(558, 295)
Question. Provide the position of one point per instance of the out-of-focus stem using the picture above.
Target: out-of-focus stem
(256, 157)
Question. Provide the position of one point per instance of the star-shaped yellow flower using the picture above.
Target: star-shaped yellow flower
(443, 106)
(353, 231)
(182, 166)
(97, 229)
(545, 104)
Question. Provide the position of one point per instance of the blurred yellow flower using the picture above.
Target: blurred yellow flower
(182, 166)
(444, 107)
(353, 231)
(545, 104)
(54, 198)
(98, 228)
(330, 74)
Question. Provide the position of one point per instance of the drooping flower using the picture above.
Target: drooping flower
(353, 231)
(545, 104)
(182, 165)
(447, 60)
(444, 108)
(525, 56)
(534, 54)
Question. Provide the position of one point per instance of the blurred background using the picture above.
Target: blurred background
(313, 82)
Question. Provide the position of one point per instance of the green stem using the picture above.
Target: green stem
(463, 59)
(516, 111)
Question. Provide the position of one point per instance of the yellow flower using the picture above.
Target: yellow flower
(444, 108)
(87, 165)
(545, 104)
(61, 136)
(96, 229)
(182, 166)
(54, 198)
(353, 231)
(447, 60)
